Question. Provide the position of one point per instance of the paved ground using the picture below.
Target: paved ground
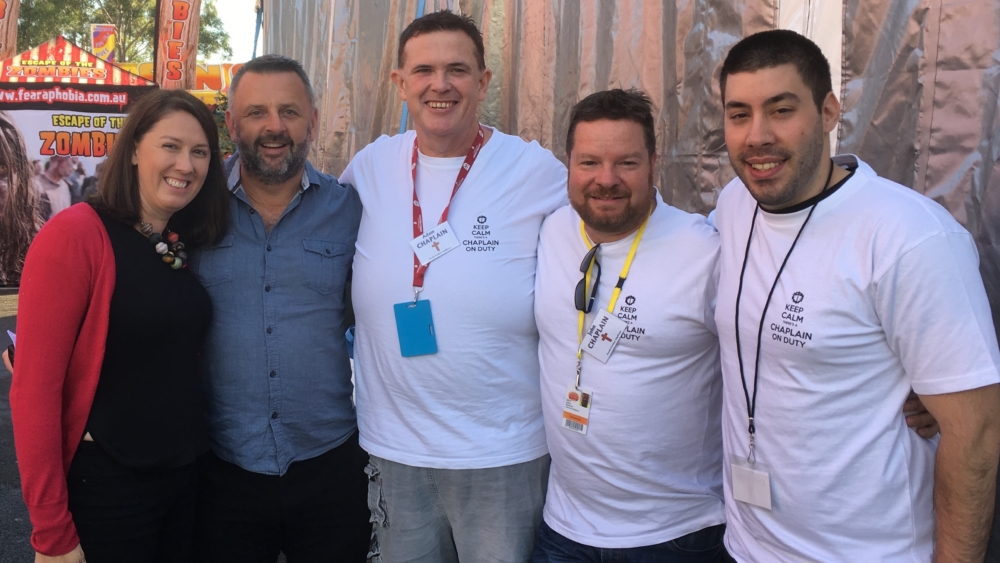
(14, 525)
(15, 528)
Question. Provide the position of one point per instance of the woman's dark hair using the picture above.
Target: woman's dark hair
(206, 218)
(20, 218)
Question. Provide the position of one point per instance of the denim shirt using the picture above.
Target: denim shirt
(275, 369)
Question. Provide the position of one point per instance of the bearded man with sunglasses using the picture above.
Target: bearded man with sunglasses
(632, 421)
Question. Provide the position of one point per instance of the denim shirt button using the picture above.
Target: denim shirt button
(248, 259)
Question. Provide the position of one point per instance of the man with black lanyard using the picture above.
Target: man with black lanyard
(630, 375)
(839, 291)
(446, 345)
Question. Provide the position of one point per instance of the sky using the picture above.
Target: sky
(239, 19)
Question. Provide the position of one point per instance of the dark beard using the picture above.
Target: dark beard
(810, 159)
(254, 164)
(629, 219)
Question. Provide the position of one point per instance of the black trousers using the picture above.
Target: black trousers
(127, 514)
(316, 512)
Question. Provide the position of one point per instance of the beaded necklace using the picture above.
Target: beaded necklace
(171, 251)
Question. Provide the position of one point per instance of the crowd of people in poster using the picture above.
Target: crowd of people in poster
(32, 190)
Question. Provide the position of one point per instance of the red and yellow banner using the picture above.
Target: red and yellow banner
(176, 52)
(103, 38)
(9, 10)
(210, 79)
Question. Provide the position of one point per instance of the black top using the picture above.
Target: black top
(148, 410)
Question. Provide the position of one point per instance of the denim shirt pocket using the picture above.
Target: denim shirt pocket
(214, 264)
(326, 264)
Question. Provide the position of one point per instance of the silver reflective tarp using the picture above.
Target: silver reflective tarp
(918, 80)
(919, 83)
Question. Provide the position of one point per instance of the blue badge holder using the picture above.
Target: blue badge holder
(415, 328)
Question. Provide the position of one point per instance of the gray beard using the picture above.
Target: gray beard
(254, 164)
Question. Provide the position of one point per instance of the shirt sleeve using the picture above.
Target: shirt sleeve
(936, 317)
(347, 176)
(52, 302)
(550, 175)
(712, 291)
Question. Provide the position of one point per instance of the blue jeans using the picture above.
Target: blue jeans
(425, 515)
(703, 546)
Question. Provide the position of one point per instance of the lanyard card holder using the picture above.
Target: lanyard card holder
(415, 328)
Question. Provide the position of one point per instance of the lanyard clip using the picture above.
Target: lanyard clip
(416, 293)
(751, 456)
(579, 368)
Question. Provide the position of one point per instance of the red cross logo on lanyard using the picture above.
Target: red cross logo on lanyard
(418, 216)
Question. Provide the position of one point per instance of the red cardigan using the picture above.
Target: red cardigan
(62, 327)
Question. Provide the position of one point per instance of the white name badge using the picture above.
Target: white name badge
(434, 243)
(751, 482)
(576, 413)
(602, 336)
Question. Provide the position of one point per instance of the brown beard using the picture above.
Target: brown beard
(629, 219)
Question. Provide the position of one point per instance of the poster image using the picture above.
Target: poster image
(66, 150)
(103, 38)
(60, 111)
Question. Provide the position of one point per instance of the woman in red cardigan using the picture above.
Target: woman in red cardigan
(105, 397)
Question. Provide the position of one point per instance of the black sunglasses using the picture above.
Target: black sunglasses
(580, 297)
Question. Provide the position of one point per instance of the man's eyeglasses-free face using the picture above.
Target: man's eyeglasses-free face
(580, 297)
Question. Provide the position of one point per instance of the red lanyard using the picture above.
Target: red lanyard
(418, 215)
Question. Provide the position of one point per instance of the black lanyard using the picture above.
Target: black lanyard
(752, 404)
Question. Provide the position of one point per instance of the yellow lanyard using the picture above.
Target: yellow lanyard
(614, 294)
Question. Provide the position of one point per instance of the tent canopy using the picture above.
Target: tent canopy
(60, 61)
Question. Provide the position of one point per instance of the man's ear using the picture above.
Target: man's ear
(230, 123)
(315, 121)
(484, 83)
(831, 112)
(397, 78)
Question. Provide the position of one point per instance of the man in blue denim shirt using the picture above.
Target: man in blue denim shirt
(286, 472)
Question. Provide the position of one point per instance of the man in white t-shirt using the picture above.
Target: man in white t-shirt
(446, 346)
(636, 441)
(839, 291)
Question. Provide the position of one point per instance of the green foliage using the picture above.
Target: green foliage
(136, 23)
(226, 144)
(40, 20)
(212, 36)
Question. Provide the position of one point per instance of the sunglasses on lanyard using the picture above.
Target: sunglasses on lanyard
(580, 297)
